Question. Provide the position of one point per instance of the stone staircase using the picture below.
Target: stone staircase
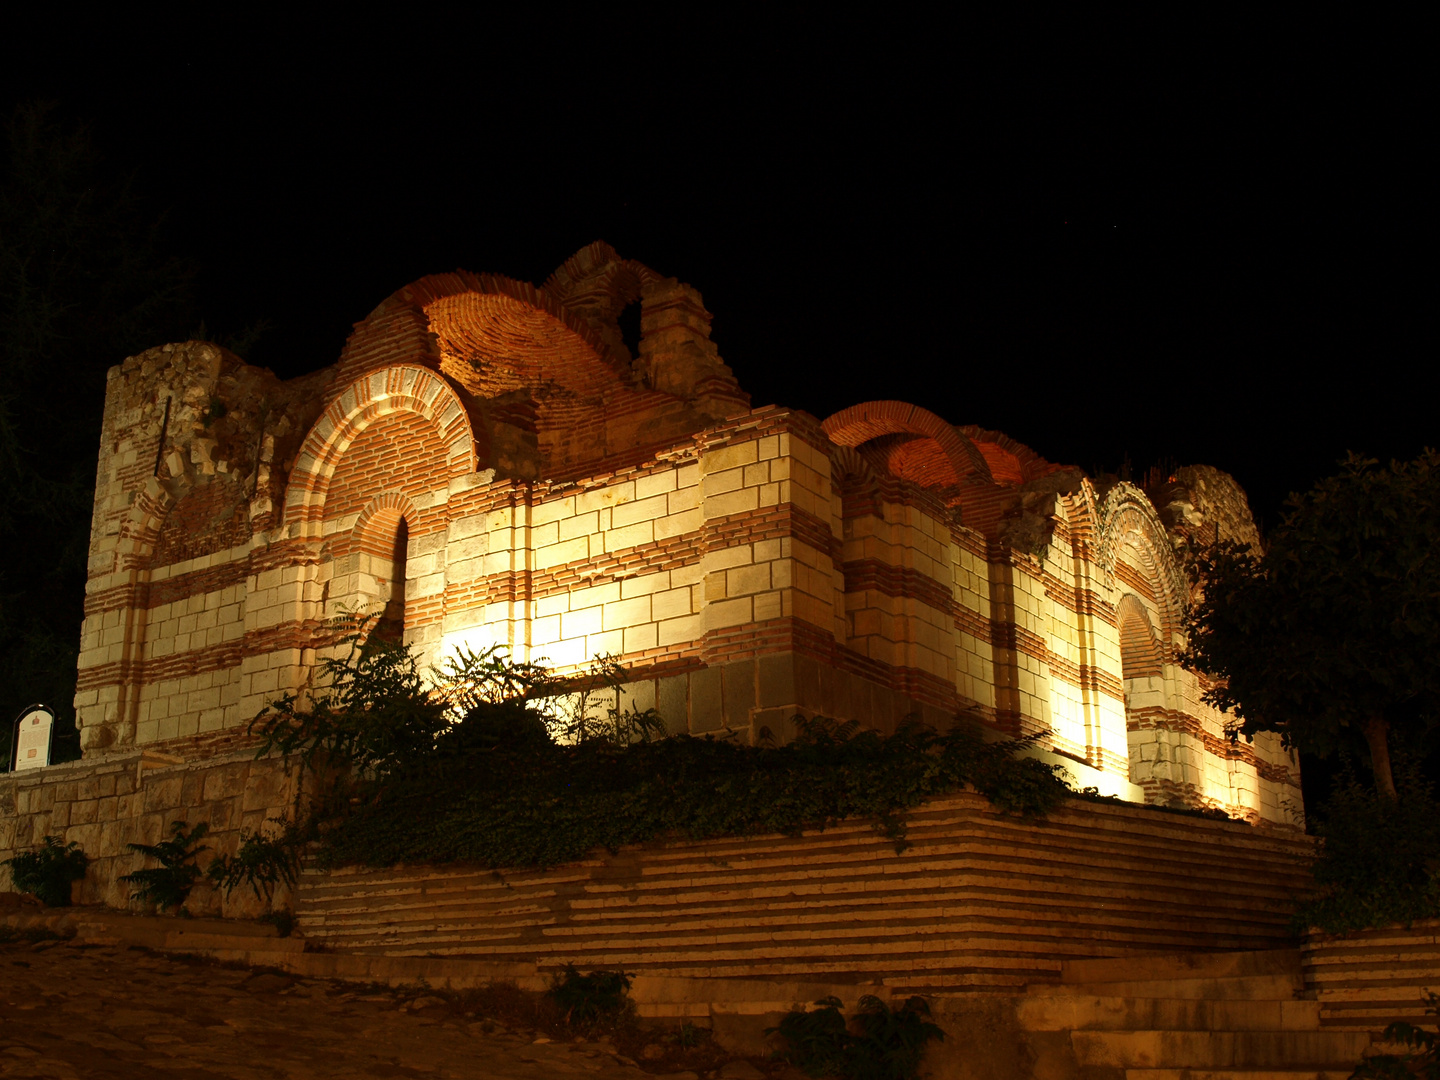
(979, 902)
(1193, 1016)
(1366, 979)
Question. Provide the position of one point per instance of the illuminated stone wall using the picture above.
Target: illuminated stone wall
(488, 463)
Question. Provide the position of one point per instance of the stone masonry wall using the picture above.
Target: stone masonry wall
(134, 797)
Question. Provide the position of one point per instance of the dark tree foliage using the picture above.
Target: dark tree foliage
(83, 283)
(1330, 637)
(1379, 857)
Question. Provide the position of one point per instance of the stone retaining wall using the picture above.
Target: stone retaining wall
(106, 803)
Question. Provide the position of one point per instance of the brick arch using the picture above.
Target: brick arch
(848, 463)
(415, 324)
(871, 420)
(598, 273)
(399, 389)
(1127, 519)
(379, 520)
(140, 531)
(1013, 457)
(1141, 654)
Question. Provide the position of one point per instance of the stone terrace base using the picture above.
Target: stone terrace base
(979, 901)
(103, 803)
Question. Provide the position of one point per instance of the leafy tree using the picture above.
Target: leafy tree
(82, 283)
(1332, 633)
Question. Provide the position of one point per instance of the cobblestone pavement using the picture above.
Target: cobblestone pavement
(97, 1013)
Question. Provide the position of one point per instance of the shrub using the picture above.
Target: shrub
(262, 862)
(46, 872)
(587, 1000)
(169, 884)
(436, 768)
(878, 1044)
(1379, 858)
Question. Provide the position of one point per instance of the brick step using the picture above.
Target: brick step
(945, 906)
(1247, 987)
(985, 888)
(854, 879)
(925, 857)
(1186, 965)
(1375, 1016)
(1219, 1049)
(902, 871)
(1301, 1072)
(1085, 1013)
(879, 937)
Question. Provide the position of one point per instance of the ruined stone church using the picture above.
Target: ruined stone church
(488, 464)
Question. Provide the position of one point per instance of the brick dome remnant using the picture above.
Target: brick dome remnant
(490, 463)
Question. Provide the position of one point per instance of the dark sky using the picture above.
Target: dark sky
(1101, 247)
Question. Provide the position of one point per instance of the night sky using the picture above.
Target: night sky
(1107, 252)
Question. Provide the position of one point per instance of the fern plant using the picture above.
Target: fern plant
(262, 862)
(169, 884)
(46, 872)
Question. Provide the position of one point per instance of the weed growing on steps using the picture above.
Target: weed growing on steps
(1421, 1058)
(47, 871)
(588, 1001)
(878, 1043)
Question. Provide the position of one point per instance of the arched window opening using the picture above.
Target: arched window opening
(391, 624)
(1140, 653)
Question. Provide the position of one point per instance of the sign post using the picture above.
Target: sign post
(31, 737)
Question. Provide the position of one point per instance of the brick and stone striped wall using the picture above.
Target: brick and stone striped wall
(490, 465)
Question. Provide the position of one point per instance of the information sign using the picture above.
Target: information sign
(31, 739)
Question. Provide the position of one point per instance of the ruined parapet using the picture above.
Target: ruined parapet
(677, 356)
(195, 449)
(1199, 505)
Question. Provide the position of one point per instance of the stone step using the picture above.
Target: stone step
(1126, 935)
(977, 893)
(921, 859)
(1301, 1072)
(1186, 965)
(1246, 987)
(1083, 1013)
(1219, 1049)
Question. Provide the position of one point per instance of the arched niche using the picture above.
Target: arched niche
(375, 584)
